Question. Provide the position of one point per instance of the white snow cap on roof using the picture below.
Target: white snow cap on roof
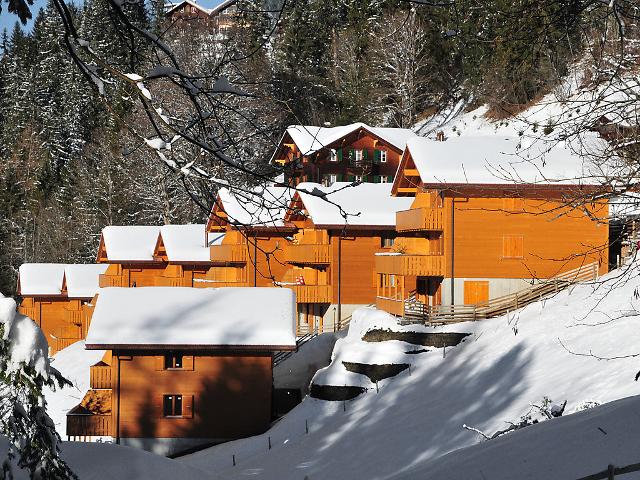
(130, 243)
(186, 243)
(82, 280)
(310, 139)
(41, 278)
(172, 7)
(498, 160)
(264, 206)
(48, 279)
(365, 204)
(255, 316)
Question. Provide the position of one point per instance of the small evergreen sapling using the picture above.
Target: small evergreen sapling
(32, 440)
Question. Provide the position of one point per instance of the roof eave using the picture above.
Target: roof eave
(189, 347)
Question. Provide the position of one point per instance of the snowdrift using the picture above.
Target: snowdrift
(553, 348)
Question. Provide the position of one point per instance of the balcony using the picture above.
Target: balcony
(419, 219)
(411, 265)
(100, 375)
(88, 425)
(224, 254)
(312, 293)
(171, 282)
(390, 305)
(111, 281)
(307, 254)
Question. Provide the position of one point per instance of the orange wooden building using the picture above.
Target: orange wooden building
(189, 367)
(331, 257)
(251, 253)
(57, 296)
(488, 220)
(355, 152)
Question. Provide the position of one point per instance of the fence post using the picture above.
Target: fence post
(611, 472)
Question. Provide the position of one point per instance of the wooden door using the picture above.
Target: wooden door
(476, 292)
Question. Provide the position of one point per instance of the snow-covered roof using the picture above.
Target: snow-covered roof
(43, 279)
(263, 207)
(310, 139)
(186, 243)
(497, 160)
(625, 205)
(204, 10)
(82, 280)
(365, 204)
(130, 243)
(193, 317)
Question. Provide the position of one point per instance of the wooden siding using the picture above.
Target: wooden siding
(312, 293)
(100, 376)
(223, 254)
(80, 426)
(476, 291)
(536, 239)
(309, 254)
(231, 396)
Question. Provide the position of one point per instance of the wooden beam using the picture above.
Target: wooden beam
(411, 172)
(407, 189)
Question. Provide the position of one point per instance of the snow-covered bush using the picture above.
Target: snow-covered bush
(24, 371)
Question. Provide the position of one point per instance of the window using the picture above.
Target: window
(384, 179)
(333, 178)
(513, 246)
(358, 178)
(387, 241)
(334, 155)
(383, 156)
(172, 406)
(173, 360)
(358, 155)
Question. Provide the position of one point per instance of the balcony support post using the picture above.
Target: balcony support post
(339, 281)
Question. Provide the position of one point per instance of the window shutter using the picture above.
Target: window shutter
(187, 406)
(351, 178)
(365, 154)
(376, 156)
(365, 178)
(389, 178)
(160, 362)
(339, 177)
(187, 362)
(157, 409)
(339, 154)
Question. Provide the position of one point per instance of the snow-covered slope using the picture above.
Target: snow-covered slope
(73, 362)
(491, 378)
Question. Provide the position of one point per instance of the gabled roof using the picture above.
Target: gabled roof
(188, 243)
(310, 139)
(208, 11)
(366, 204)
(495, 160)
(197, 318)
(263, 207)
(130, 243)
(59, 279)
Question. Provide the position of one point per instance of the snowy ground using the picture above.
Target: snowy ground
(490, 379)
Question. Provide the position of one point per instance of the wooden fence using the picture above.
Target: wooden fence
(611, 472)
(414, 310)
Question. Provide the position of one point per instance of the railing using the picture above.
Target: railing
(100, 376)
(205, 283)
(499, 305)
(411, 265)
(75, 317)
(226, 274)
(310, 254)
(111, 281)
(171, 282)
(62, 343)
(228, 253)
(312, 293)
(394, 306)
(418, 219)
(29, 312)
(89, 425)
(70, 330)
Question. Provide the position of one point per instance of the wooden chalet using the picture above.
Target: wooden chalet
(132, 255)
(331, 257)
(219, 19)
(350, 153)
(251, 253)
(188, 367)
(488, 221)
(57, 297)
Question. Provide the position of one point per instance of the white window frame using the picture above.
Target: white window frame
(333, 178)
(334, 155)
(358, 178)
(384, 179)
(358, 156)
(383, 156)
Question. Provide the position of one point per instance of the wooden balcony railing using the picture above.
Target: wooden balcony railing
(307, 254)
(68, 331)
(28, 312)
(171, 282)
(75, 317)
(411, 265)
(223, 254)
(391, 305)
(312, 293)
(419, 219)
(111, 281)
(100, 376)
(58, 344)
(89, 425)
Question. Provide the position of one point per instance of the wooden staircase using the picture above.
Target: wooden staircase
(417, 312)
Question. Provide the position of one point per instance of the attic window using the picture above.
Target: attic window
(173, 360)
(172, 405)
